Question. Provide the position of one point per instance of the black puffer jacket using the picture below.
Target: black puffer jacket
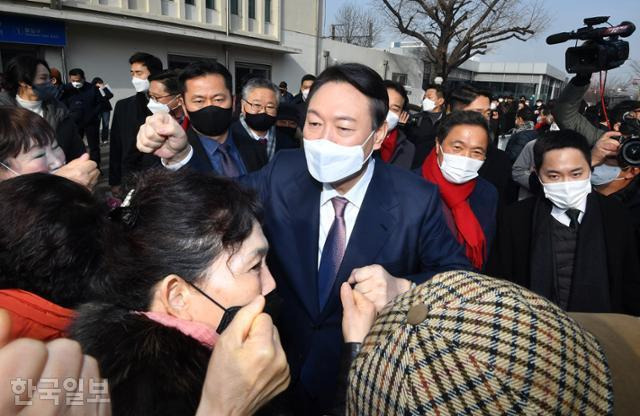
(152, 369)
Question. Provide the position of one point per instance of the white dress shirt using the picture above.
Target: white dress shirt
(561, 214)
(355, 196)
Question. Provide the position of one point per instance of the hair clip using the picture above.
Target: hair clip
(125, 213)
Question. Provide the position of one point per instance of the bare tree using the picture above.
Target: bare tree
(356, 25)
(453, 31)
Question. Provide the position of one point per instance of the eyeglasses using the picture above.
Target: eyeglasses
(158, 97)
(259, 108)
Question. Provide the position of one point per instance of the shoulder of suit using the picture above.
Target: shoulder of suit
(407, 181)
(486, 187)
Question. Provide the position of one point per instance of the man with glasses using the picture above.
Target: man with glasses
(259, 112)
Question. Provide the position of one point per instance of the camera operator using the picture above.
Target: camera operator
(609, 177)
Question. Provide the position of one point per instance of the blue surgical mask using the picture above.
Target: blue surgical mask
(44, 91)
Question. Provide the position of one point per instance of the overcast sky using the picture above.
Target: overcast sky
(567, 15)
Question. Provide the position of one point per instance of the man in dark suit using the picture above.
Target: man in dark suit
(497, 166)
(129, 114)
(259, 112)
(207, 100)
(334, 214)
(301, 99)
(573, 246)
(84, 103)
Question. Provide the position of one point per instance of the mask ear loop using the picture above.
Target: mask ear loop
(9, 169)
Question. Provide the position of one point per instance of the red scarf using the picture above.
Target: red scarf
(456, 197)
(389, 145)
(33, 316)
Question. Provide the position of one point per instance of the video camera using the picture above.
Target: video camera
(597, 53)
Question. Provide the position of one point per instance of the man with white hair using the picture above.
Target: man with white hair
(259, 111)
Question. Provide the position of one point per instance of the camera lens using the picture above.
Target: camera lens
(630, 152)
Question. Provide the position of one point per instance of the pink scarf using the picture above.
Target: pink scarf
(203, 333)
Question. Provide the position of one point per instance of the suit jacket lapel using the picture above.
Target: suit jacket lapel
(198, 149)
(374, 224)
(305, 214)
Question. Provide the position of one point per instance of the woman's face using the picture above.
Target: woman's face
(233, 280)
(45, 159)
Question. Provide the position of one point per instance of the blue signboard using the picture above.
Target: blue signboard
(22, 29)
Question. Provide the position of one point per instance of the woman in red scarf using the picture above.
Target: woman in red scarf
(470, 202)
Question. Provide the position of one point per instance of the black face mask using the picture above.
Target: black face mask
(289, 131)
(211, 120)
(260, 122)
(272, 306)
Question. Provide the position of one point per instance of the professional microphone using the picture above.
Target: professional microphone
(560, 37)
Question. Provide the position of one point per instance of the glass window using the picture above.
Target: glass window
(210, 4)
(267, 11)
(191, 2)
(252, 9)
(233, 6)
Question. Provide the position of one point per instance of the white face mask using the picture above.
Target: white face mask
(156, 107)
(329, 162)
(459, 169)
(305, 94)
(140, 85)
(392, 120)
(604, 174)
(77, 84)
(569, 194)
(428, 105)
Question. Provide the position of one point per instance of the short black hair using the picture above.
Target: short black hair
(618, 111)
(562, 139)
(461, 118)
(20, 129)
(438, 88)
(400, 89)
(77, 71)
(169, 79)
(365, 80)
(183, 221)
(308, 77)
(153, 64)
(463, 95)
(21, 68)
(97, 80)
(50, 237)
(201, 68)
(527, 114)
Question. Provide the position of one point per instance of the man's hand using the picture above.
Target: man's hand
(606, 147)
(162, 136)
(248, 367)
(62, 360)
(377, 285)
(358, 314)
(404, 117)
(81, 170)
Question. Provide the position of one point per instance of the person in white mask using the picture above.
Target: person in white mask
(470, 202)
(301, 99)
(164, 95)
(128, 115)
(396, 149)
(574, 246)
(334, 214)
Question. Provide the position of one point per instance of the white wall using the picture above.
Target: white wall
(375, 58)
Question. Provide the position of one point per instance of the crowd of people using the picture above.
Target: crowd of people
(332, 252)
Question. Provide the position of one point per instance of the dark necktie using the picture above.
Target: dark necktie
(229, 168)
(573, 215)
(332, 252)
(263, 141)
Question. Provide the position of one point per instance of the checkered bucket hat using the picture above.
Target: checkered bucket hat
(466, 344)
